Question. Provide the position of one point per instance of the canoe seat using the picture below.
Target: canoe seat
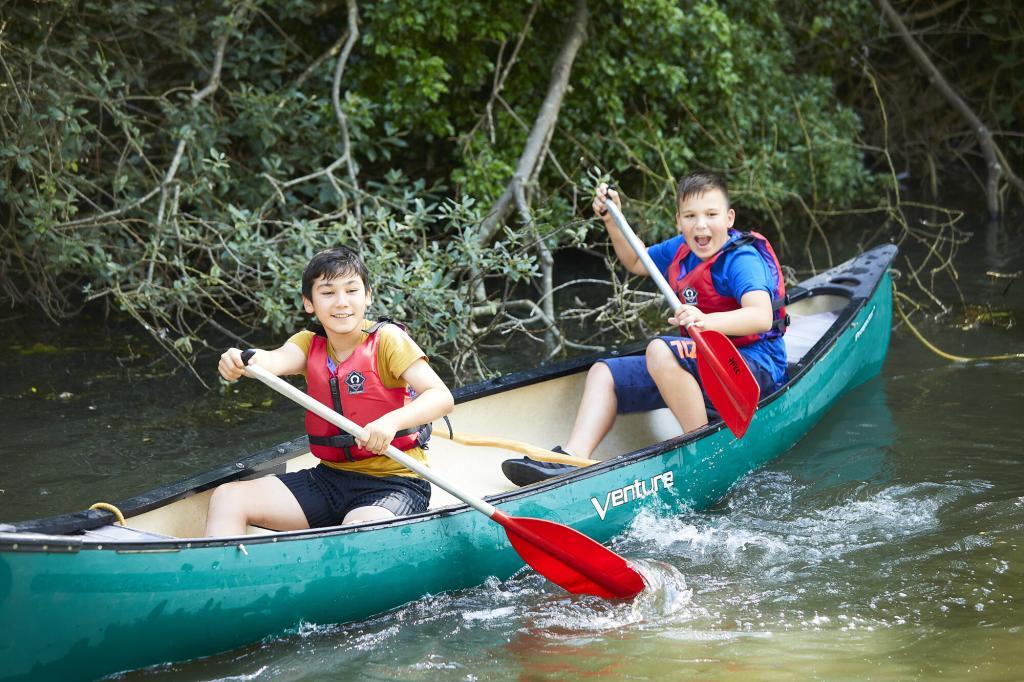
(804, 331)
(121, 534)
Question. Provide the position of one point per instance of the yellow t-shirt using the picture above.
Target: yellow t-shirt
(396, 352)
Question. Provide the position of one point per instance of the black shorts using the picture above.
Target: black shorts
(326, 495)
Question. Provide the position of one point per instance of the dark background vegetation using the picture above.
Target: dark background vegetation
(178, 163)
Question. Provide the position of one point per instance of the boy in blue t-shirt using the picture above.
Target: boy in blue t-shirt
(741, 284)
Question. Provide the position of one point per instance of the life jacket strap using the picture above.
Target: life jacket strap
(336, 400)
(381, 321)
(778, 302)
(347, 440)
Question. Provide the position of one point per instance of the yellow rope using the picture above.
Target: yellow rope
(106, 506)
(531, 451)
(941, 353)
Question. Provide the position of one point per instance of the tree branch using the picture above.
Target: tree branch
(501, 75)
(989, 149)
(543, 126)
(932, 12)
(547, 263)
(339, 113)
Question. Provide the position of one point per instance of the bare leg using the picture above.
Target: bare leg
(265, 502)
(368, 513)
(596, 413)
(678, 388)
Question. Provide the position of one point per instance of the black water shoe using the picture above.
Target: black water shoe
(525, 471)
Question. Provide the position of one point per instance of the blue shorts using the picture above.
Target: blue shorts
(636, 391)
(326, 495)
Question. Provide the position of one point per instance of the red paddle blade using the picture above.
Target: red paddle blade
(731, 387)
(570, 559)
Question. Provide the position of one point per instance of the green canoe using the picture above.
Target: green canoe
(82, 597)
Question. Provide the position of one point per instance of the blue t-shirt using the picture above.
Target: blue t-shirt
(737, 272)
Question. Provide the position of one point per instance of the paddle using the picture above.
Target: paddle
(564, 556)
(532, 451)
(733, 390)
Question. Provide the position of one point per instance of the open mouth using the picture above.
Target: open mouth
(702, 241)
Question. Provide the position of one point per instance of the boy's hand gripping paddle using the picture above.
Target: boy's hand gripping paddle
(564, 556)
(732, 388)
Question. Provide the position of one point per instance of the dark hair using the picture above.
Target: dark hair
(333, 263)
(699, 182)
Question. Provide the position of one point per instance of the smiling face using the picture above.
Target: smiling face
(339, 302)
(704, 220)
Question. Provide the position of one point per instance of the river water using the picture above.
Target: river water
(888, 544)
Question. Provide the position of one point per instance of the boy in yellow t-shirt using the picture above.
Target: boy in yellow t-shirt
(368, 372)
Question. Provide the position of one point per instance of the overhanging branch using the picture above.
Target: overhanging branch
(990, 151)
(532, 158)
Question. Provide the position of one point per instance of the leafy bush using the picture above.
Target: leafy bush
(136, 171)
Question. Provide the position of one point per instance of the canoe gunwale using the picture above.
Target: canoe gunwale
(55, 534)
(256, 464)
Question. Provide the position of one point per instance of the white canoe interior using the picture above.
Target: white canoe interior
(540, 414)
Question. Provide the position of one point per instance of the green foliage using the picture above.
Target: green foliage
(854, 46)
(122, 179)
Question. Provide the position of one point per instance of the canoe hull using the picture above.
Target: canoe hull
(85, 611)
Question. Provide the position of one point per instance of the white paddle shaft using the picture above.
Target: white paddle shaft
(313, 405)
(641, 252)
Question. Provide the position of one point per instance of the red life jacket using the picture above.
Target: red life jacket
(366, 399)
(696, 287)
